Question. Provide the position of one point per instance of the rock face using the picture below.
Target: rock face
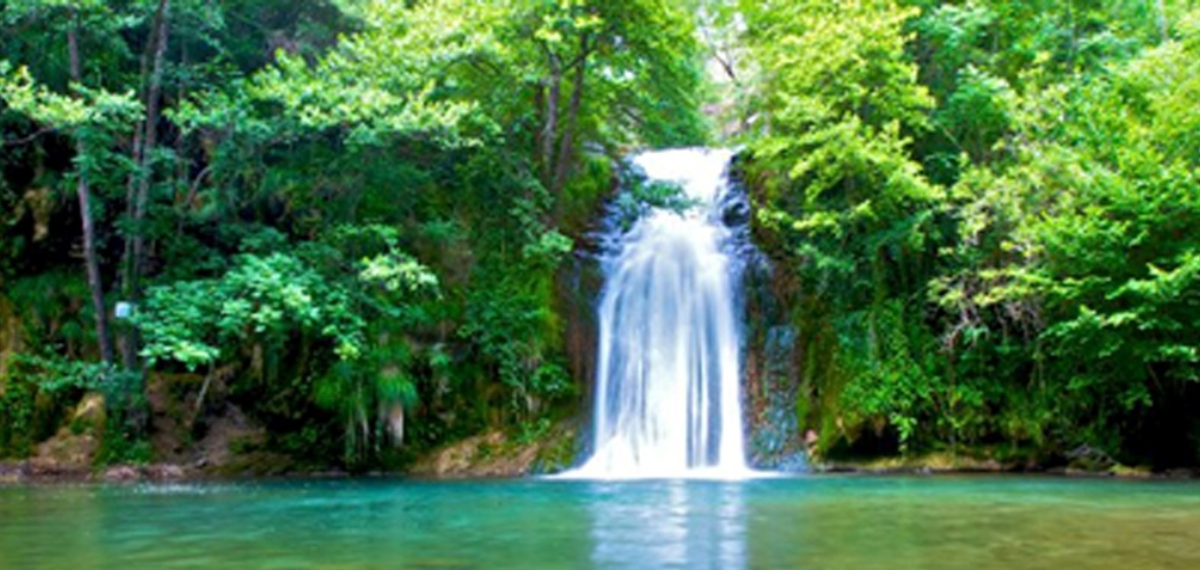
(10, 337)
(213, 437)
(578, 287)
(71, 453)
(777, 442)
(496, 454)
(771, 380)
(64, 456)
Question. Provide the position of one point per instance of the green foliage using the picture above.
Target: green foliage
(481, 134)
(510, 323)
(37, 393)
(840, 94)
(1038, 289)
(641, 195)
(261, 297)
(127, 414)
(349, 324)
(96, 109)
(1087, 220)
(303, 151)
(891, 381)
(983, 211)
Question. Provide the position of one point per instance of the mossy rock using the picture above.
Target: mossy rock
(558, 451)
(1131, 472)
(943, 462)
(495, 454)
(90, 415)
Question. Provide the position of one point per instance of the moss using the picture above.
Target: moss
(583, 198)
(930, 462)
(1135, 472)
(557, 452)
(258, 464)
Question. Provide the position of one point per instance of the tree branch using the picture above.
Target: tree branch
(30, 138)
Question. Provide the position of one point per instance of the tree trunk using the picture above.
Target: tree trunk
(145, 142)
(127, 343)
(150, 138)
(566, 148)
(91, 262)
(550, 128)
(131, 186)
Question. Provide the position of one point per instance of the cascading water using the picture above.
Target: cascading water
(667, 393)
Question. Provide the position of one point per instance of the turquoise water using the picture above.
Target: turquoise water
(807, 522)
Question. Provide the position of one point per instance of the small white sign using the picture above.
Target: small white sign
(123, 310)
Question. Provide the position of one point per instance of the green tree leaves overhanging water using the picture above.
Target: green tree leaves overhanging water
(356, 219)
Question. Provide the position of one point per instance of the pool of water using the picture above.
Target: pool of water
(806, 522)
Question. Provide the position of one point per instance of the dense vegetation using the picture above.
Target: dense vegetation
(351, 218)
(341, 215)
(989, 211)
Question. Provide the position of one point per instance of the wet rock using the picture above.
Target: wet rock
(165, 472)
(474, 456)
(121, 474)
(577, 285)
(776, 440)
(11, 472)
(811, 438)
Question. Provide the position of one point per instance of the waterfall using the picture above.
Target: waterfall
(667, 400)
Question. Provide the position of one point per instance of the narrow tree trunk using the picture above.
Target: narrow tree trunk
(131, 183)
(91, 262)
(550, 126)
(127, 341)
(181, 162)
(150, 138)
(566, 148)
(145, 142)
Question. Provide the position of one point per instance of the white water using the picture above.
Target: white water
(667, 392)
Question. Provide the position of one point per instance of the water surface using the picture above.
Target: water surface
(808, 522)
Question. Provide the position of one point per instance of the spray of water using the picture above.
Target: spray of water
(667, 392)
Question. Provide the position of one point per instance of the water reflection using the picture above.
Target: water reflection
(677, 524)
(766, 524)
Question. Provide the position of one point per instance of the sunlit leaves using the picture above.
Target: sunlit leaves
(266, 298)
(839, 100)
(93, 109)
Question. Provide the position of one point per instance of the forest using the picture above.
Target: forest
(362, 225)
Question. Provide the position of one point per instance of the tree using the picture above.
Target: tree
(145, 143)
(91, 117)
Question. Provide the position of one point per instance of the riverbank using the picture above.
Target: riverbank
(492, 454)
(517, 463)
(951, 464)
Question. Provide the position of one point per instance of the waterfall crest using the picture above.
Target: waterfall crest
(667, 389)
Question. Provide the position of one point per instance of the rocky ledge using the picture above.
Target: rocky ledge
(498, 454)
